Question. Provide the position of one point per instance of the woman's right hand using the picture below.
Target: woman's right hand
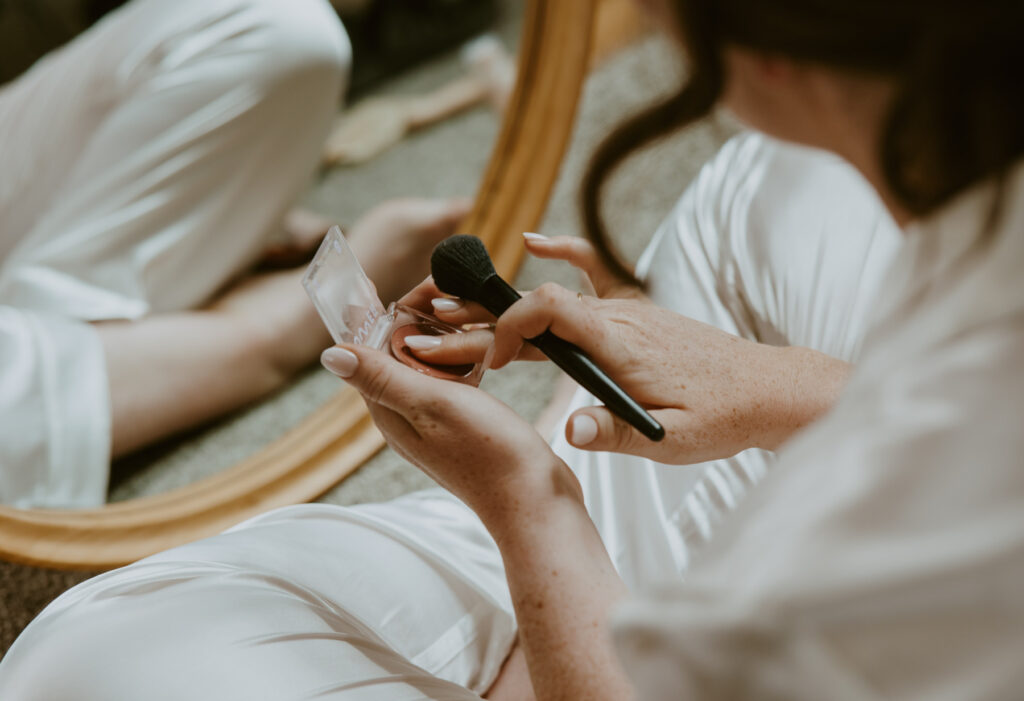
(472, 347)
(716, 394)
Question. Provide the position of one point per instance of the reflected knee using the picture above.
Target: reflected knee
(302, 45)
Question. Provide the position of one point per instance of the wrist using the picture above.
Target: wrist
(809, 385)
(526, 501)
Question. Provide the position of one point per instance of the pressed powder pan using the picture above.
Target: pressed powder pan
(424, 328)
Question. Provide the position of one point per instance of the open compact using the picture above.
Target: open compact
(353, 313)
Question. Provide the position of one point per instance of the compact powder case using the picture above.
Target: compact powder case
(426, 328)
(347, 302)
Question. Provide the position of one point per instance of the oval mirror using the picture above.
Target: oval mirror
(154, 507)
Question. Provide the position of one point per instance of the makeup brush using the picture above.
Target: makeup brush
(461, 267)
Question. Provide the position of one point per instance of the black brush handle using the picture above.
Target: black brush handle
(496, 296)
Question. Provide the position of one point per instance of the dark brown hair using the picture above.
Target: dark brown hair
(956, 118)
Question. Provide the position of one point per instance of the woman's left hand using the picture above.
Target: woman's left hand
(469, 442)
(561, 580)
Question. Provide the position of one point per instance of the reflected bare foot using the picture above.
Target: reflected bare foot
(393, 241)
(488, 60)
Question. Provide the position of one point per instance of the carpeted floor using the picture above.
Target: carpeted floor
(456, 153)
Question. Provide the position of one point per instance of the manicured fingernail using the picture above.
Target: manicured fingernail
(423, 342)
(443, 304)
(530, 236)
(582, 430)
(341, 362)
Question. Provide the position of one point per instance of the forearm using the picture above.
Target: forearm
(168, 373)
(175, 371)
(563, 587)
(809, 382)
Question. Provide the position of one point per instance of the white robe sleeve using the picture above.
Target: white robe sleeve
(883, 558)
(54, 412)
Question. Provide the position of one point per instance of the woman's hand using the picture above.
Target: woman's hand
(472, 347)
(561, 580)
(716, 394)
(469, 442)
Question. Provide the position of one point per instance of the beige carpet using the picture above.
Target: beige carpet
(638, 199)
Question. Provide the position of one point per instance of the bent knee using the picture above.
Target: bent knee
(300, 43)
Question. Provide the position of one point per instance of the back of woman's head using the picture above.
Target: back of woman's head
(957, 115)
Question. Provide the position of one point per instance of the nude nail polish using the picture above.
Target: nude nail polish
(443, 304)
(582, 430)
(341, 362)
(422, 342)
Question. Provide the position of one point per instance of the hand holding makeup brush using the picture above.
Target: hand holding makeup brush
(578, 252)
(472, 444)
(716, 394)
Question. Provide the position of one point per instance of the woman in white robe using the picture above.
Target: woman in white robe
(405, 598)
(147, 164)
(879, 559)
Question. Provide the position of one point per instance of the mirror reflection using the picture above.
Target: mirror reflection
(176, 165)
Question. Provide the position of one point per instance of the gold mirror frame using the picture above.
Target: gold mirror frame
(339, 436)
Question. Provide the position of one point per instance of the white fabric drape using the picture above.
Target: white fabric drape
(144, 165)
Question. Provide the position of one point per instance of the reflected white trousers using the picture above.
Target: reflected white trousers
(144, 165)
(407, 599)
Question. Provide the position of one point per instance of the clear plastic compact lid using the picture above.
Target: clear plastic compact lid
(342, 294)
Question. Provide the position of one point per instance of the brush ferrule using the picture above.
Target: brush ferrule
(496, 295)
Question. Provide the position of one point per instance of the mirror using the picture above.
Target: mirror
(425, 132)
(325, 446)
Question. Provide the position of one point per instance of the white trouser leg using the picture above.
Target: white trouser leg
(320, 599)
(388, 602)
(150, 158)
(773, 243)
(144, 165)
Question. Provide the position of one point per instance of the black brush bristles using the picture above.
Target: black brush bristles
(460, 265)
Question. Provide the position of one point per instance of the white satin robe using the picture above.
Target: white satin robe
(407, 599)
(883, 558)
(144, 164)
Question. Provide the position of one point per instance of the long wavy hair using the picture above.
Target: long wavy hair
(958, 112)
